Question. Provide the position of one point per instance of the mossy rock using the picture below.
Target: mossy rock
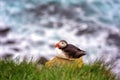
(58, 61)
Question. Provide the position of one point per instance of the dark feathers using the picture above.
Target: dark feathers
(73, 52)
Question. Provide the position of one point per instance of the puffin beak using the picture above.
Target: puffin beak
(57, 45)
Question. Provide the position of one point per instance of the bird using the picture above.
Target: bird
(67, 54)
(69, 51)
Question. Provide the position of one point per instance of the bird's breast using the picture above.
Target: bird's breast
(60, 53)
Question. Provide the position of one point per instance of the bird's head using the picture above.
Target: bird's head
(61, 44)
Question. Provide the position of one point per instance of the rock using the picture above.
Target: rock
(4, 30)
(7, 56)
(67, 14)
(114, 39)
(52, 24)
(9, 42)
(117, 57)
(16, 49)
(42, 60)
(58, 61)
(90, 29)
(85, 31)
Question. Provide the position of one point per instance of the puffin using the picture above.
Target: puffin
(68, 54)
(66, 50)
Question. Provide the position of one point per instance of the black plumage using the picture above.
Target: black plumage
(73, 51)
(70, 50)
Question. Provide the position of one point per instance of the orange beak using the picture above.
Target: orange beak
(57, 45)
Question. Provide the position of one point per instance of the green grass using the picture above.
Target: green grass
(30, 71)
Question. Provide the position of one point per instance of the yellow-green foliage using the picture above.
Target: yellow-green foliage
(30, 71)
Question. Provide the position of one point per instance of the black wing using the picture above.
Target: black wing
(71, 48)
(74, 51)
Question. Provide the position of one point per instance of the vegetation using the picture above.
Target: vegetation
(9, 70)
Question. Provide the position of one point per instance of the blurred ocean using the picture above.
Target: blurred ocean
(32, 27)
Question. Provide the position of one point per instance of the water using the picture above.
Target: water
(36, 25)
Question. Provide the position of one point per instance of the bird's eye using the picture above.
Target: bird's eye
(62, 44)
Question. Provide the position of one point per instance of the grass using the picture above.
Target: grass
(31, 71)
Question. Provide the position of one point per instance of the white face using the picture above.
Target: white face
(62, 44)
